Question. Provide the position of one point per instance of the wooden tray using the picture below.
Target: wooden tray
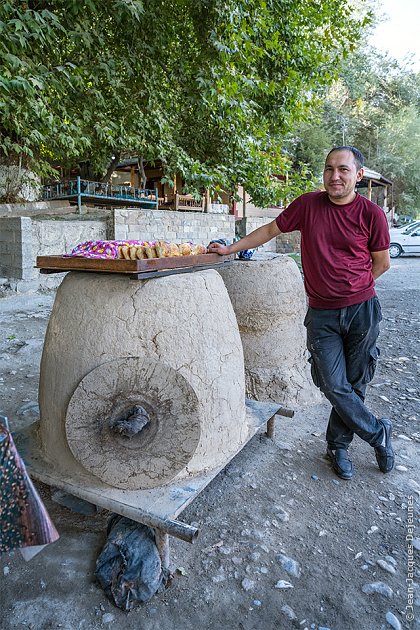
(147, 267)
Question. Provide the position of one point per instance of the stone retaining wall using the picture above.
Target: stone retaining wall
(249, 224)
(22, 239)
(133, 224)
(59, 237)
(34, 208)
(16, 255)
(283, 244)
(287, 243)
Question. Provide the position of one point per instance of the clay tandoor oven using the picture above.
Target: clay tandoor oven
(142, 381)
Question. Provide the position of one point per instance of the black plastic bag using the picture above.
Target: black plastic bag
(129, 568)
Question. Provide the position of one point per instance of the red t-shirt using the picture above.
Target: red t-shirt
(336, 245)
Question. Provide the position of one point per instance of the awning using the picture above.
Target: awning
(375, 179)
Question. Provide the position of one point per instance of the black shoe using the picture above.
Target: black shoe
(385, 453)
(341, 462)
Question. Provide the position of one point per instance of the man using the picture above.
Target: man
(344, 243)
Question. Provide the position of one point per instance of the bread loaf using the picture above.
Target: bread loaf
(185, 249)
(198, 249)
(174, 250)
(162, 249)
(150, 251)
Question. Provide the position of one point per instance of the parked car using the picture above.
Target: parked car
(407, 228)
(407, 242)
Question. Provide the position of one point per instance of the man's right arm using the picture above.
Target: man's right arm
(256, 238)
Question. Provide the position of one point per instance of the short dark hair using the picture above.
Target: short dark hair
(358, 156)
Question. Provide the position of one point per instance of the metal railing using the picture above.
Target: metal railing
(79, 188)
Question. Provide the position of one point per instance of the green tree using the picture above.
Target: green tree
(374, 105)
(399, 142)
(208, 86)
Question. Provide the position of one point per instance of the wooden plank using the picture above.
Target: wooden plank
(79, 263)
(69, 263)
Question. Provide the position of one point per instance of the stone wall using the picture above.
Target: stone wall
(287, 243)
(16, 253)
(283, 244)
(34, 208)
(51, 237)
(22, 239)
(249, 224)
(139, 224)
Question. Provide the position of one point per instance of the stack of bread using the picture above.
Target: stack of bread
(159, 249)
(134, 250)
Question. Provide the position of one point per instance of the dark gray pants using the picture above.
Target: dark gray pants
(342, 344)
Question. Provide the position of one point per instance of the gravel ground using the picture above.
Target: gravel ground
(283, 542)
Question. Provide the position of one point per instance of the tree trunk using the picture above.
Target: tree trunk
(111, 168)
(142, 174)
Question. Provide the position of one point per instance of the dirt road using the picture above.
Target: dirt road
(283, 542)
